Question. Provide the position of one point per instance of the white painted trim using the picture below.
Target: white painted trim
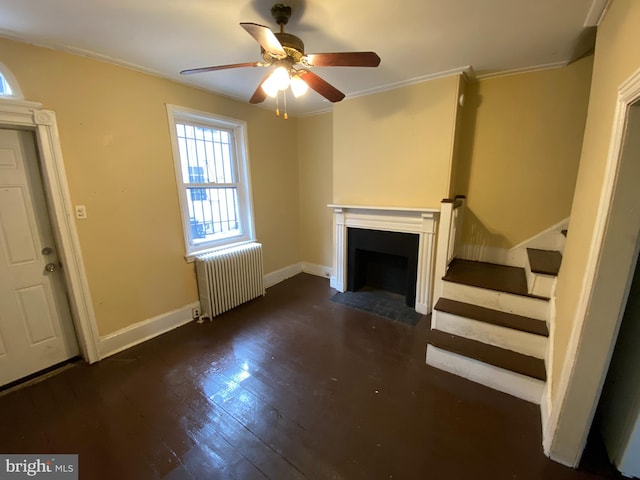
(542, 240)
(30, 115)
(628, 93)
(317, 270)
(466, 70)
(375, 208)
(548, 239)
(546, 404)
(273, 278)
(146, 330)
(277, 276)
(390, 219)
(484, 253)
(518, 71)
(596, 13)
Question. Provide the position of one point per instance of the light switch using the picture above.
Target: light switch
(81, 211)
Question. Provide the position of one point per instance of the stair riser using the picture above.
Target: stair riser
(515, 384)
(504, 302)
(541, 284)
(504, 337)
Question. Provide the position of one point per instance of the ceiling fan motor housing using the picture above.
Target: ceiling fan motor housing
(292, 45)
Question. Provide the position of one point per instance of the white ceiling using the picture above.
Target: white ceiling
(416, 39)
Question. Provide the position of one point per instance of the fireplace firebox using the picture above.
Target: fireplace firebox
(383, 260)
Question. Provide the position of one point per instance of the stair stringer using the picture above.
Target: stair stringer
(549, 239)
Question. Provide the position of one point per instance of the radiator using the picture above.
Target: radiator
(228, 278)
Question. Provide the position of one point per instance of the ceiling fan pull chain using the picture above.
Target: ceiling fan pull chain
(284, 96)
(277, 106)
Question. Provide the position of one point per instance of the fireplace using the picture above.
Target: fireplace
(389, 263)
(383, 260)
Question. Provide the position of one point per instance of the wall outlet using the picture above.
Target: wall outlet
(195, 313)
(81, 211)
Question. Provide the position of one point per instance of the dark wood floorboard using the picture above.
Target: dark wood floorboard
(289, 386)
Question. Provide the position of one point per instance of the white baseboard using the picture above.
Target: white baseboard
(422, 308)
(273, 278)
(317, 270)
(147, 329)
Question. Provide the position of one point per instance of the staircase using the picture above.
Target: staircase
(490, 322)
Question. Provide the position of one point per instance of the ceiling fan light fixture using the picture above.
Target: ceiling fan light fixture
(298, 86)
(280, 78)
(269, 86)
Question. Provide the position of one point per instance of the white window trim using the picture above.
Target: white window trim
(177, 114)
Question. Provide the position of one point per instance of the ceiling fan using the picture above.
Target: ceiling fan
(286, 52)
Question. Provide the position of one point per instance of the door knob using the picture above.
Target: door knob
(51, 267)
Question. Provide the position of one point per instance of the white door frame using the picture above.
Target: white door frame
(29, 115)
(602, 302)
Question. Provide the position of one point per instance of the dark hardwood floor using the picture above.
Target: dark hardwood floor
(288, 386)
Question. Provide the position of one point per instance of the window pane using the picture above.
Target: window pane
(213, 213)
(207, 149)
(5, 88)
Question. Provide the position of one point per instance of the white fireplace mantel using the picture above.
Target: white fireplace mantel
(421, 221)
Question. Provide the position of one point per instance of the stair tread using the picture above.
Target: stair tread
(546, 262)
(495, 317)
(501, 278)
(496, 356)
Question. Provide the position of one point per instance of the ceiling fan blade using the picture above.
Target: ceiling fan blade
(321, 86)
(219, 67)
(344, 59)
(266, 38)
(260, 95)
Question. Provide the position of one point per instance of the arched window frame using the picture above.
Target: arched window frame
(9, 80)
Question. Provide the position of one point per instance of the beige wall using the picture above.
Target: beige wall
(115, 143)
(617, 58)
(519, 151)
(395, 148)
(315, 160)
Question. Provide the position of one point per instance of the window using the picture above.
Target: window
(8, 86)
(213, 179)
(5, 88)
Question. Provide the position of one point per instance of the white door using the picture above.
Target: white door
(36, 330)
